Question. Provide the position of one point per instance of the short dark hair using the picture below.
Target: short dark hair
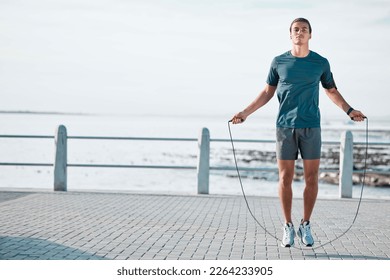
(301, 20)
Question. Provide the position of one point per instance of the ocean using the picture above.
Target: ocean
(162, 181)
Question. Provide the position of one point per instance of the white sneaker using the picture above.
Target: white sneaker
(304, 233)
(288, 235)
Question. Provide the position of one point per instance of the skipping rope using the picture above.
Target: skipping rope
(265, 229)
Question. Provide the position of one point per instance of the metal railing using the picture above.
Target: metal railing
(203, 167)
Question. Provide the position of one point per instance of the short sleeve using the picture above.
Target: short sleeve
(273, 76)
(327, 80)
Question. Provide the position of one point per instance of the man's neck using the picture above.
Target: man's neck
(300, 50)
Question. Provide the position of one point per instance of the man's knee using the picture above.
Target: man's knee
(286, 179)
(311, 169)
(311, 179)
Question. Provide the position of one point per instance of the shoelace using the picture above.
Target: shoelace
(306, 228)
(287, 231)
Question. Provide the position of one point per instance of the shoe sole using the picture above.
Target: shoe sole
(286, 246)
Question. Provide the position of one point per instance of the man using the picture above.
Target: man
(296, 75)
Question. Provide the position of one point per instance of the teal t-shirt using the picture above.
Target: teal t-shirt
(297, 80)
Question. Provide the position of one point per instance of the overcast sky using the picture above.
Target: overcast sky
(178, 57)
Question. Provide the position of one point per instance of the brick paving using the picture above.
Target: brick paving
(120, 226)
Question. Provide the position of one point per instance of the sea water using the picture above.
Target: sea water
(142, 152)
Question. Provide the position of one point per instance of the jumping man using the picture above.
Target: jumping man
(295, 76)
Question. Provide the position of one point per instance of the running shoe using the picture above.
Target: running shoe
(288, 235)
(304, 233)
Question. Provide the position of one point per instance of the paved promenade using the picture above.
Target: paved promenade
(86, 225)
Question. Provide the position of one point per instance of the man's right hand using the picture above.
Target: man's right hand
(238, 118)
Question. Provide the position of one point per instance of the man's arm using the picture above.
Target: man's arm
(339, 100)
(264, 96)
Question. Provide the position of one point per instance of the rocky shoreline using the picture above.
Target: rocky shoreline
(378, 162)
(372, 179)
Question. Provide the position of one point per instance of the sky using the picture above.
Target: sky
(182, 57)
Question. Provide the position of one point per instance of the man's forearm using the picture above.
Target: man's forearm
(264, 96)
(338, 99)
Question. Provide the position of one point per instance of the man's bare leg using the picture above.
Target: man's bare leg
(310, 192)
(286, 176)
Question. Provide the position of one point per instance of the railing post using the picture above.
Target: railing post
(60, 163)
(203, 162)
(346, 165)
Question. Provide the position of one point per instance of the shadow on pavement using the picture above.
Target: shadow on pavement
(25, 248)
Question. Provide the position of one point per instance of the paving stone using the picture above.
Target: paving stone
(89, 226)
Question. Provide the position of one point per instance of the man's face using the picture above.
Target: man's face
(300, 33)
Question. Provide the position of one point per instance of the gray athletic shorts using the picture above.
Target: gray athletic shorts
(291, 140)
